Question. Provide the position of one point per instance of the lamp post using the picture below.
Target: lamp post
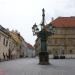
(43, 34)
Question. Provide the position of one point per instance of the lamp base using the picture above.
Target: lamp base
(44, 58)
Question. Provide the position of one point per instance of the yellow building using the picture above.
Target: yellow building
(63, 40)
(15, 44)
(20, 49)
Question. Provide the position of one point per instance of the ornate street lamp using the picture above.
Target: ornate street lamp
(43, 34)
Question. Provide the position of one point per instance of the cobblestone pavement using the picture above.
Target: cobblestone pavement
(29, 66)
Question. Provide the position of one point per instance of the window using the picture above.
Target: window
(56, 41)
(20, 47)
(4, 41)
(71, 51)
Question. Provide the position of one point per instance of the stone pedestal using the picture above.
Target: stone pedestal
(43, 58)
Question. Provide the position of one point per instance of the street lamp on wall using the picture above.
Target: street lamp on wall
(43, 34)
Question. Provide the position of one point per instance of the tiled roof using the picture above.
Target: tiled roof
(64, 22)
(29, 46)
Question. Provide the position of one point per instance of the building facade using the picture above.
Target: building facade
(12, 44)
(30, 51)
(16, 49)
(62, 42)
(21, 45)
(4, 42)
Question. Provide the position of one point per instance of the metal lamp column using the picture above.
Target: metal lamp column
(43, 34)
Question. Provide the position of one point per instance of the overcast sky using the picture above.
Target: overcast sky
(22, 14)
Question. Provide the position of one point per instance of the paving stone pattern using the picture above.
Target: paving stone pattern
(29, 66)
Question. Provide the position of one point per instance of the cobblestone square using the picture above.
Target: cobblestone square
(29, 66)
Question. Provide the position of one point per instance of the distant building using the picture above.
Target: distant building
(15, 37)
(30, 50)
(21, 44)
(63, 40)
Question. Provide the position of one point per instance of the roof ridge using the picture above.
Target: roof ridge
(64, 22)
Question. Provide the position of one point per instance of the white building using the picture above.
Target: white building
(30, 50)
